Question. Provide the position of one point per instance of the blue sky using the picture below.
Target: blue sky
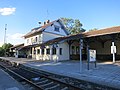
(23, 15)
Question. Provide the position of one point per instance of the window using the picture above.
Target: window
(57, 28)
(60, 51)
(53, 51)
(62, 27)
(36, 39)
(42, 51)
(38, 51)
(47, 51)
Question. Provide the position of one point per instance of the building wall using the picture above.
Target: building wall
(48, 34)
(32, 40)
(51, 29)
(65, 51)
(56, 57)
(99, 49)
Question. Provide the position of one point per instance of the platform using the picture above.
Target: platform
(106, 73)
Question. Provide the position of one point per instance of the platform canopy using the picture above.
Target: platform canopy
(103, 35)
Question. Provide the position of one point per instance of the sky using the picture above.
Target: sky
(23, 15)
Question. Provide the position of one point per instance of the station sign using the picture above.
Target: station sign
(113, 49)
(92, 55)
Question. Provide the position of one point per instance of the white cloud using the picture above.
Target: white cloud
(7, 11)
(15, 38)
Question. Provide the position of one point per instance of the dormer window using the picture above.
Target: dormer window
(57, 28)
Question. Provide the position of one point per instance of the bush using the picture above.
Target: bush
(2, 51)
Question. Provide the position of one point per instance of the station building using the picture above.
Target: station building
(53, 42)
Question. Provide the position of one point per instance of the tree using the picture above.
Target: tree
(1, 52)
(93, 29)
(6, 48)
(73, 26)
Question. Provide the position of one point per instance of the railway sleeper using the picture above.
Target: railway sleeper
(47, 85)
(55, 87)
(42, 82)
(65, 88)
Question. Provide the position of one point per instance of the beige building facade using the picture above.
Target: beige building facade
(53, 42)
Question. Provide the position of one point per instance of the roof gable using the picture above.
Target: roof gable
(42, 28)
(57, 28)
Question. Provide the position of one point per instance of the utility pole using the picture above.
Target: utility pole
(5, 38)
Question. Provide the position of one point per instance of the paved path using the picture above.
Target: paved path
(106, 73)
(8, 83)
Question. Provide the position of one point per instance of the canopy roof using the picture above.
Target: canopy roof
(102, 35)
(106, 31)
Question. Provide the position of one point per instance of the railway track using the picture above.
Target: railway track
(35, 81)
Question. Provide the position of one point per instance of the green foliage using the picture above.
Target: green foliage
(1, 52)
(93, 29)
(73, 26)
(6, 46)
(5, 49)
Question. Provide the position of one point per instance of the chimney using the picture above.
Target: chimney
(44, 23)
(48, 21)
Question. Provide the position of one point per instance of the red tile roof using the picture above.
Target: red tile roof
(38, 29)
(111, 30)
